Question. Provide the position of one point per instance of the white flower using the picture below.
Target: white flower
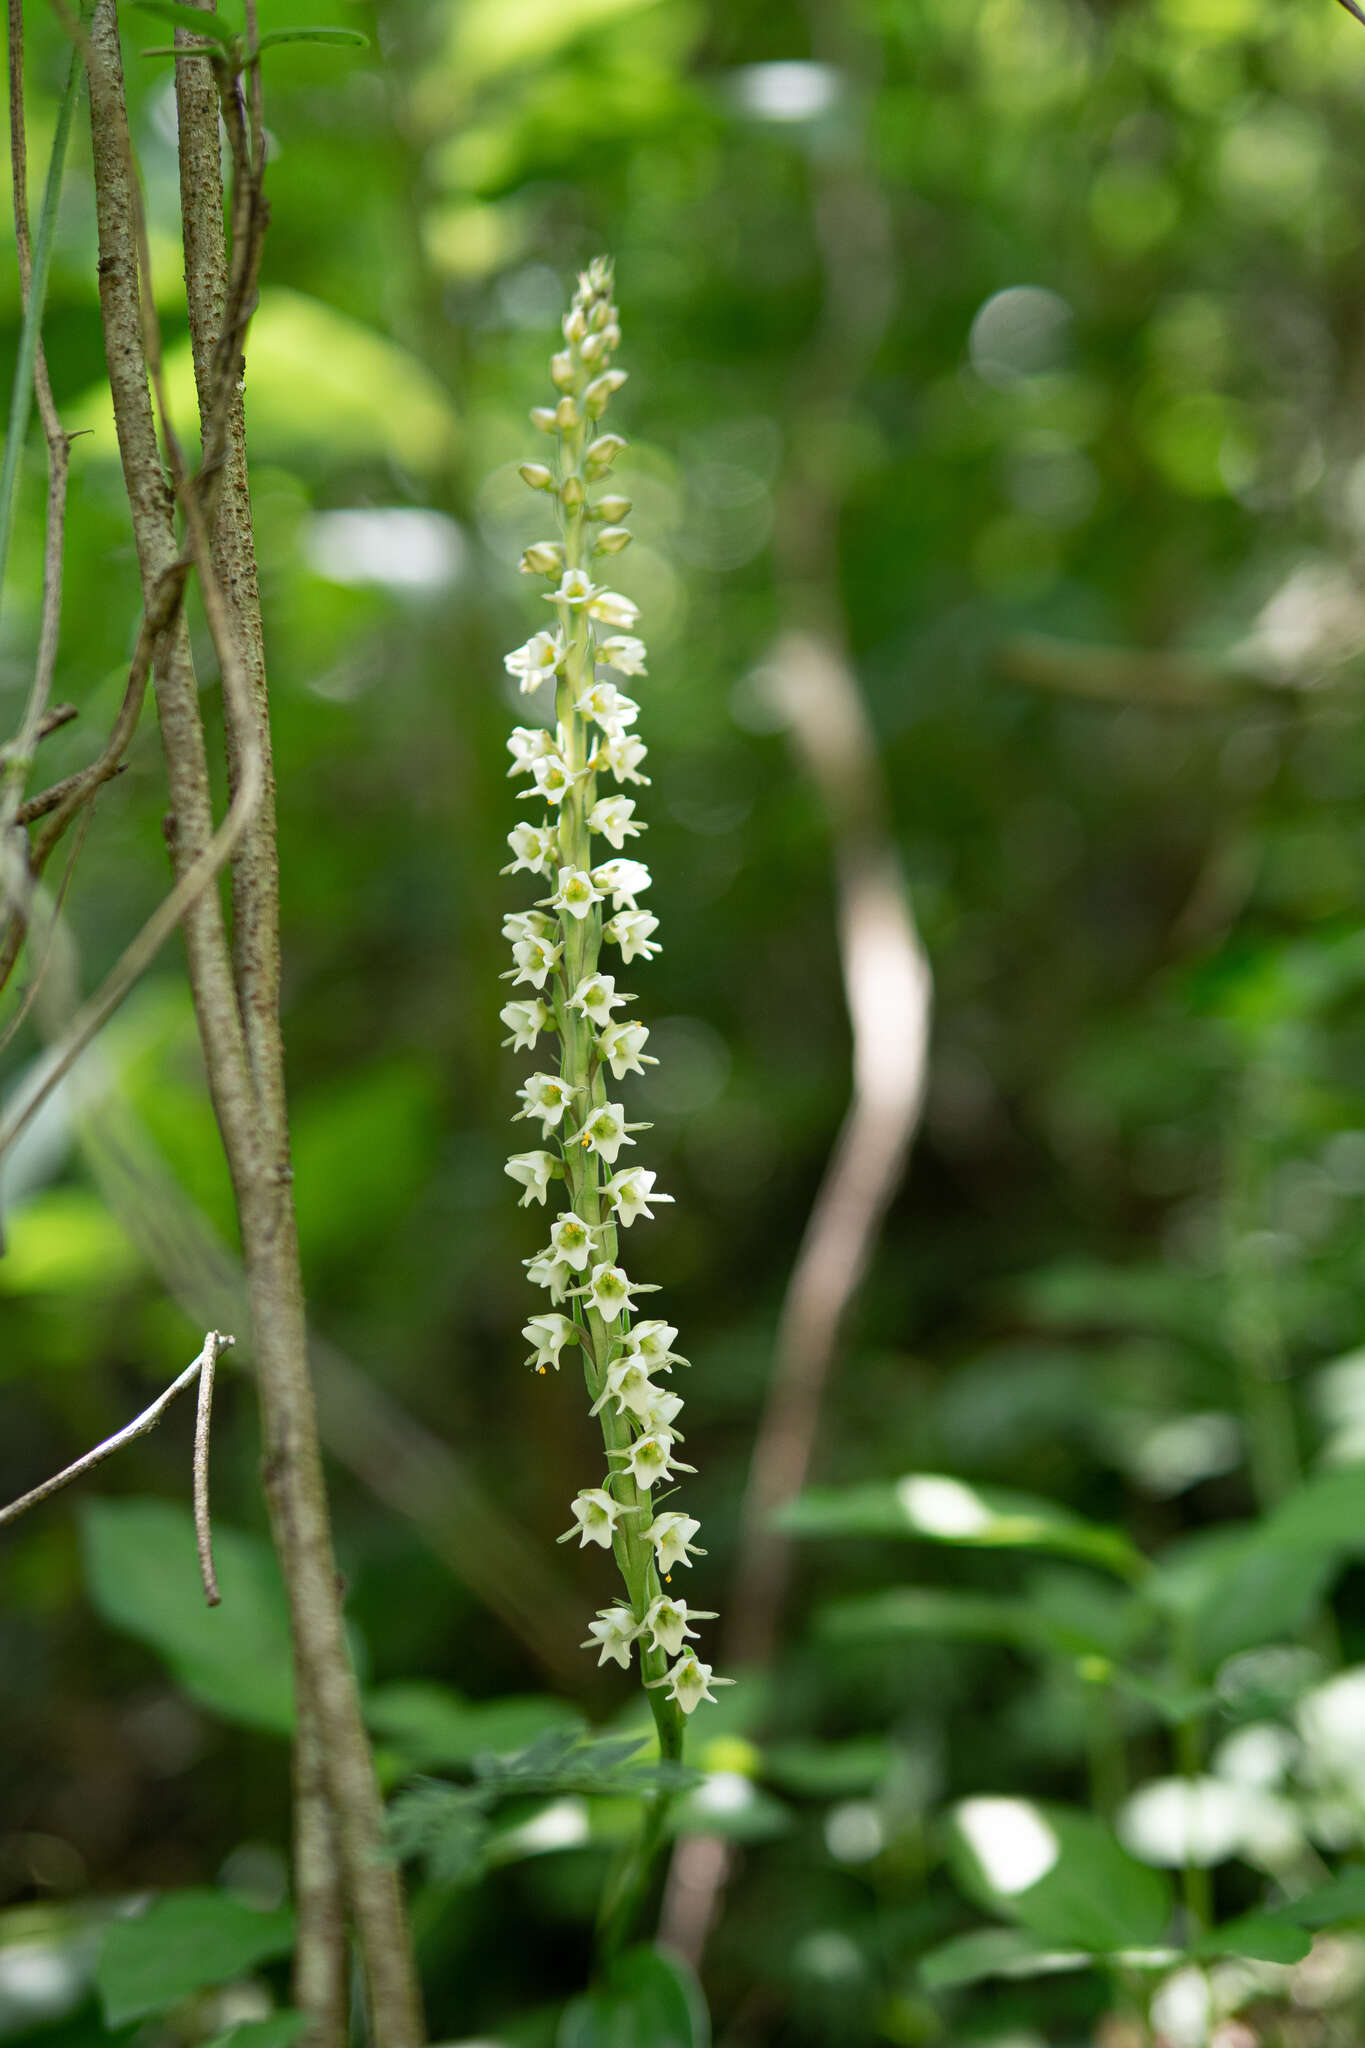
(576, 587)
(610, 707)
(662, 1413)
(596, 998)
(613, 1633)
(528, 744)
(622, 880)
(612, 609)
(545, 1096)
(605, 1132)
(536, 662)
(576, 893)
(534, 847)
(614, 818)
(525, 1021)
(609, 1291)
(535, 1170)
(621, 754)
(536, 961)
(625, 654)
(667, 1622)
(571, 1240)
(671, 1535)
(627, 1384)
(630, 930)
(688, 1682)
(652, 1340)
(650, 1459)
(548, 1335)
(630, 1194)
(545, 1270)
(621, 1046)
(527, 924)
(595, 1516)
(552, 778)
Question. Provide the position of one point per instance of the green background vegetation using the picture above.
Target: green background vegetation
(1124, 1272)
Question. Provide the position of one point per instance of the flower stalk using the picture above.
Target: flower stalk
(578, 771)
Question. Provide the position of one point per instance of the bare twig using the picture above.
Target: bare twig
(203, 1527)
(201, 1369)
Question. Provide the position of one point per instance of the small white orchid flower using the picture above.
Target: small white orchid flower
(621, 754)
(552, 778)
(629, 1385)
(576, 893)
(611, 609)
(624, 653)
(595, 998)
(548, 1334)
(630, 930)
(622, 880)
(576, 588)
(688, 1682)
(610, 1290)
(534, 847)
(535, 1171)
(653, 1340)
(671, 1534)
(529, 744)
(621, 1046)
(571, 1240)
(545, 1096)
(661, 1414)
(536, 662)
(650, 1459)
(525, 1021)
(545, 1270)
(667, 1622)
(527, 924)
(614, 818)
(606, 1131)
(613, 1632)
(608, 706)
(536, 961)
(630, 1194)
(595, 1515)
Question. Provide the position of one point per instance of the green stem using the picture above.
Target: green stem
(21, 392)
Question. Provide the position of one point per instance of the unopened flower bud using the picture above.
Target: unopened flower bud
(613, 508)
(592, 348)
(561, 371)
(601, 455)
(598, 393)
(542, 558)
(543, 416)
(600, 315)
(575, 325)
(536, 475)
(571, 493)
(612, 539)
(611, 334)
(566, 415)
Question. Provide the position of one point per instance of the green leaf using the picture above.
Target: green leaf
(199, 24)
(1325, 1514)
(1341, 1898)
(314, 35)
(973, 1617)
(1060, 1873)
(829, 1770)
(280, 2030)
(142, 1574)
(446, 1827)
(431, 1726)
(184, 1942)
(994, 1952)
(1258, 1936)
(939, 1509)
(649, 2000)
(1237, 1587)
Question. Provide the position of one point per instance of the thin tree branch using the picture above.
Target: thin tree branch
(201, 1369)
(203, 1527)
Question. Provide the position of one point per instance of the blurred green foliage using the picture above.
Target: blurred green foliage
(1114, 403)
